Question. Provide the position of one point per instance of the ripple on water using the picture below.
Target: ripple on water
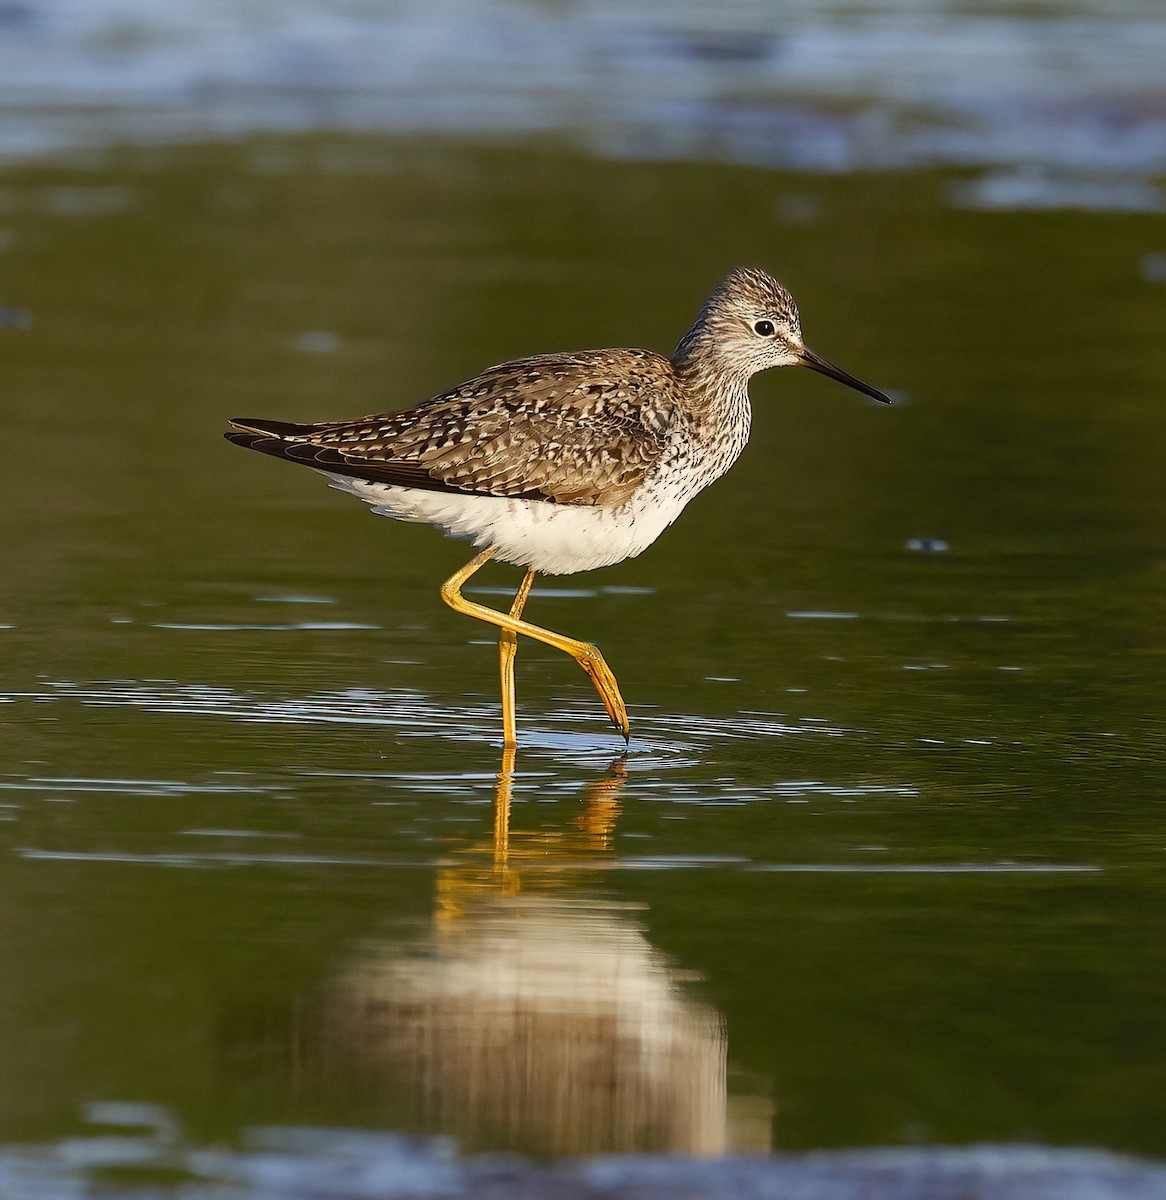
(220, 859)
(130, 787)
(654, 771)
(295, 626)
(295, 599)
(633, 863)
(664, 748)
(670, 742)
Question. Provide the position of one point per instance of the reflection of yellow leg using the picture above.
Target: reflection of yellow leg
(598, 819)
(586, 655)
(502, 812)
(507, 649)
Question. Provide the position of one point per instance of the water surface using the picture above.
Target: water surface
(883, 863)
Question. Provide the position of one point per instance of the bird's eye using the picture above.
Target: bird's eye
(764, 328)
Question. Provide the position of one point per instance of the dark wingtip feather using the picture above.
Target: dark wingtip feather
(242, 439)
(264, 436)
(268, 437)
(269, 428)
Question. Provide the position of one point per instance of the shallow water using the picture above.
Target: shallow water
(883, 863)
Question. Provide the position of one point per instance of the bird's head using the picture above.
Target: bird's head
(749, 324)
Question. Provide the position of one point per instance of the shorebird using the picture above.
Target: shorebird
(564, 462)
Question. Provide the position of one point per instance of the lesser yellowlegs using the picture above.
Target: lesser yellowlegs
(564, 462)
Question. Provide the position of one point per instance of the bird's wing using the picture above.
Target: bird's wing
(579, 428)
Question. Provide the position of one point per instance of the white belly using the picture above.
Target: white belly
(553, 539)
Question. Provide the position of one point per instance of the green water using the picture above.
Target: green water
(884, 863)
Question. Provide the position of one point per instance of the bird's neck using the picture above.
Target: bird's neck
(710, 378)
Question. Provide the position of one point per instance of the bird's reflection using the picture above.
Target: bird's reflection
(534, 1016)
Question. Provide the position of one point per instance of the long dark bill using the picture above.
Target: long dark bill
(809, 359)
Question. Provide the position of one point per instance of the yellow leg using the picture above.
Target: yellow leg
(586, 655)
(507, 649)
